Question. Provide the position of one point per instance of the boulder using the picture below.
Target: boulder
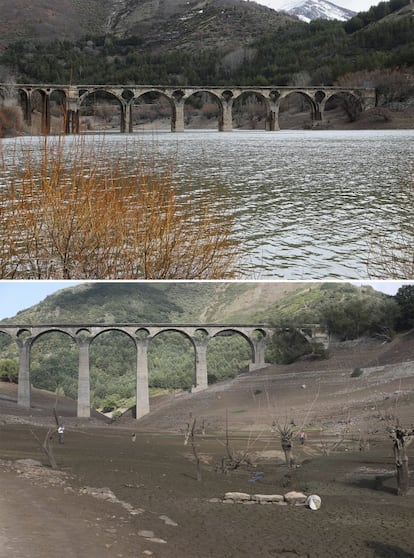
(267, 498)
(237, 496)
(295, 498)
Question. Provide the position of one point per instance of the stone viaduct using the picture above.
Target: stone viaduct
(199, 334)
(72, 98)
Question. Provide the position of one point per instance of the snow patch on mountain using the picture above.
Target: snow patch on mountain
(307, 10)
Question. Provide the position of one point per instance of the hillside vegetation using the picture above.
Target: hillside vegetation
(347, 312)
(204, 43)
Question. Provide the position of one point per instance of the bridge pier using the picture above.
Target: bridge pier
(272, 117)
(84, 388)
(23, 386)
(201, 379)
(142, 391)
(177, 120)
(226, 117)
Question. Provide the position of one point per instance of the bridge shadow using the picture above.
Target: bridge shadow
(382, 483)
(382, 550)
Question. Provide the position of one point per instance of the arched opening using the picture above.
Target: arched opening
(249, 111)
(54, 367)
(9, 361)
(152, 111)
(24, 105)
(297, 111)
(171, 362)
(341, 108)
(40, 112)
(202, 110)
(287, 345)
(100, 111)
(112, 358)
(228, 354)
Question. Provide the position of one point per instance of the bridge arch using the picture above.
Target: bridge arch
(204, 103)
(149, 106)
(347, 104)
(229, 352)
(296, 108)
(182, 366)
(48, 368)
(103, 104)
(118, 377)
(250, 109)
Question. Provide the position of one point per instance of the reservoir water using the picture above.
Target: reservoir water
(306, 203)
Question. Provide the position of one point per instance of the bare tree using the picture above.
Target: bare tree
(401, 439)
(190, 436)
(46, 446)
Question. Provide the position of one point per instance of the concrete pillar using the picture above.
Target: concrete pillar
(142, 393)
(259, 346)
(272, 117)
(72, 112)
(84, 381)
(129, 123)
(369, 99)
(124, 117)
(226, 120)
(201, 381)
(27, 108)
(177, 120)
(46, 115)
(24, 387)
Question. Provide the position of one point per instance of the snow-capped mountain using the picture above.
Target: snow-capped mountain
(307, 10)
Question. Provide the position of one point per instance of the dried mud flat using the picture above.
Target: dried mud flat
(120, 495)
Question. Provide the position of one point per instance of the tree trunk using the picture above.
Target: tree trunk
(401, 463)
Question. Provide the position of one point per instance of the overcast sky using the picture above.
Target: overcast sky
(20, 295)
(355, 5)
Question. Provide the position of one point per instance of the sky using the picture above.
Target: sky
(20, 295)
(355, 5)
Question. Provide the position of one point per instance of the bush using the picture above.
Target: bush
(9, 370)
(11, 121)
(357, 372)
(76, 215)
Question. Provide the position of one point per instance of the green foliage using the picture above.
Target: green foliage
(286, 346)
(346, 311)
(374, 14)
(357, 373)
(323, 49)
(405, 301)
(9, 369)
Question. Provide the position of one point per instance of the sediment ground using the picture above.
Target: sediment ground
(130, 488)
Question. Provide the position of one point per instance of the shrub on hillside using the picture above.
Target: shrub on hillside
(11, 121)
(8, 370)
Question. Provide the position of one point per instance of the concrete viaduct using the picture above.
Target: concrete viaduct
(199, 334)
(73, 97)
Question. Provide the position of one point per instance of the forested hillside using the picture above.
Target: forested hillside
(220, 43)
(346, 311)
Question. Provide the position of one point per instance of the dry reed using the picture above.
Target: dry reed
(72, 214)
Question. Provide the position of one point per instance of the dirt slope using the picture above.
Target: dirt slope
(129, 489)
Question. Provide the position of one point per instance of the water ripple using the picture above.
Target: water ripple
(305, 202)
